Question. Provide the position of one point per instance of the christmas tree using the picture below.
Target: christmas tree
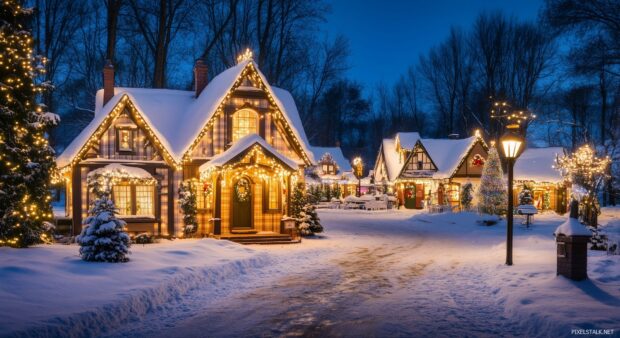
(189, 206)
(27, 160)
(102, 238)
(298, 201)
(492, 197)
(466, 196)
(525, 196)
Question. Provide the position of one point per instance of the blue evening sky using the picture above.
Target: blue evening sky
(387, 36)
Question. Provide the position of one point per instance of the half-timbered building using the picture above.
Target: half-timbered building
(428, 171)
(236, 138)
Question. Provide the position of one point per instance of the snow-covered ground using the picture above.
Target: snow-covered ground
(388, 273)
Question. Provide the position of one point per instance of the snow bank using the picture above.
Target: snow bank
(49, 291)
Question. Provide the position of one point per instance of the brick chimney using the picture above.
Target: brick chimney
(108, 81)
(200, 76)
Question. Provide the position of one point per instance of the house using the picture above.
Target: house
(333, 171)
(237, 139)
(428, 171)
(535, 169)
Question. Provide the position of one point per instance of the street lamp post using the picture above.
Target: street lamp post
(358, 170)
(512, 143)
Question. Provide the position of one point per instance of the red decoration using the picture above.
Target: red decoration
(477, 161)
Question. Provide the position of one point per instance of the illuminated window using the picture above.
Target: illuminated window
(203, 200)
(122, 199)
(134, 200)
(124, 140)
(245, 122)
(144, 200)
(272, 191)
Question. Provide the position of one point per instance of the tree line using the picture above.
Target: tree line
(563, 67)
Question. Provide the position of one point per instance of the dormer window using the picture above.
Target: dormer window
(329, 169)
(245, 122)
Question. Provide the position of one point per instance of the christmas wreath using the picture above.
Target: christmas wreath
(242, 190)
(477, 161)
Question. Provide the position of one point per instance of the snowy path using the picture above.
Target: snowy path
(375, 281)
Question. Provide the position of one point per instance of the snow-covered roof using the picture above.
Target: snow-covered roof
(407, 140)
(122, 170)
(240, 146)
(536, 164)
(335, 152)
(391, 158)
(177, 117)
(447, 154)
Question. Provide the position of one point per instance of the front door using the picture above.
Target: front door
(242, 204)
(410, 197)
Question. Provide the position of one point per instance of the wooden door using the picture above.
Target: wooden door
(242, 204)
(419, 195)
(410, 196)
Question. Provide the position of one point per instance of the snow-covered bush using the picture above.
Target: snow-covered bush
(189, 207)
(309, 221)
(102, 238)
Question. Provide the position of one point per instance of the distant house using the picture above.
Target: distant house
(534, 168)
(428, 171)
(238, 140)
(332, 170)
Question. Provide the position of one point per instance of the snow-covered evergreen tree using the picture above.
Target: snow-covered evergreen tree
(309, 221)
(525, 196)
(189, 207)
(492, 196)
(103, 238)
(26, 159)
(467, 196)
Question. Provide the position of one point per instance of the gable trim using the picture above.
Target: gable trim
(123, 103)
(417, 144)
(256, 77)
(468, 152)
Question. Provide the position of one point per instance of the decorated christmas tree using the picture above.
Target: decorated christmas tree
(525, 196)
(492, 197)
(298, 201)
(27, 160)
(102, 238)
(189, 207)
(466, 196)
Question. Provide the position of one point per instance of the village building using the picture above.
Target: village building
(332, 172)
(423, 172)
(534, 169)
(237, 139)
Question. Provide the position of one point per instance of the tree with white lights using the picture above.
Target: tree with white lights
(588, 172)
(26, 159)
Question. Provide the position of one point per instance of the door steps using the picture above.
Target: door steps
(261, 239)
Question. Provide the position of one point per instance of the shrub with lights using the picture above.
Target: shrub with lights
(189, 207)
(466, 196)
(26, 159)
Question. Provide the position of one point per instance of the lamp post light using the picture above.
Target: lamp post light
(512, 143)
(358, 171)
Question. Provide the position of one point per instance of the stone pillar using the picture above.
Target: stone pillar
(572, 239)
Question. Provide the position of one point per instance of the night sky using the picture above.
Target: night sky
(387, 36)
